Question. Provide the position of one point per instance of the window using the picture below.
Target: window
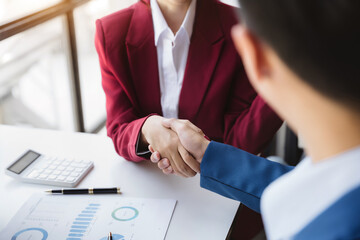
(49, 70)
(11, 10)
(93, 97)
(34, 77)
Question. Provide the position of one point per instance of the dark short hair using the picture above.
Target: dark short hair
(318, 39)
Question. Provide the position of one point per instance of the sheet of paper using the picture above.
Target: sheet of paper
(78, 217)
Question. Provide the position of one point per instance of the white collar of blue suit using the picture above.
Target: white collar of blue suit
(296, 200)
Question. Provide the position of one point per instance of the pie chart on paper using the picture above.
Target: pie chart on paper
(115, 237)
(31, 233)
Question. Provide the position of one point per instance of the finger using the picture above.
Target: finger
(192, 126)
(172, 124)
(163, 163)
(151, 149)
(168, 170)
(176, 166)
(176, 170)
(189, 159)
(179, 175)
(182, 167)
(169, 162)
(166, 122)
(152, 158)
(155, 157)
(175, 125)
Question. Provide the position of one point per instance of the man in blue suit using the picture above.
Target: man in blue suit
(302, 56)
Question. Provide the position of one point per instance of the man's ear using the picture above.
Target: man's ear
(251, 52)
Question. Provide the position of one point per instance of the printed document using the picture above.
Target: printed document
(78, 217)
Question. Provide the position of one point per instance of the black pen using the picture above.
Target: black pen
(110, 236)
(86, 191)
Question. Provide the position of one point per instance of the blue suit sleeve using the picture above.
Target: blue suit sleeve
(237, 174)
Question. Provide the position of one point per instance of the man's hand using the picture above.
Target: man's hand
(191, 137)
(166, 141)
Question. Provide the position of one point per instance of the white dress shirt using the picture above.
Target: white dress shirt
(172, 52)
(296, 198)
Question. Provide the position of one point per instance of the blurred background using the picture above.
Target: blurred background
(49, 71)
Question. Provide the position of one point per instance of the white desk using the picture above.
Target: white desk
(199, 214)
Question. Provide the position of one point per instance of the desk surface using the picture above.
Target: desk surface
(199, 214)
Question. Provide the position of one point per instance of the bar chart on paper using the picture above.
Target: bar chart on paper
(90, 217)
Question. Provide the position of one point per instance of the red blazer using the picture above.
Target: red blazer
(216, 94)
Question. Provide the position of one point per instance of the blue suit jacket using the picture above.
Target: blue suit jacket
(242, 176)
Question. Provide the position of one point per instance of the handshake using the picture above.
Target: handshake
(177, 146)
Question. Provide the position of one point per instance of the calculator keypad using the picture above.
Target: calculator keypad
(59, 170)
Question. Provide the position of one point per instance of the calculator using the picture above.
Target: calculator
(34, 167)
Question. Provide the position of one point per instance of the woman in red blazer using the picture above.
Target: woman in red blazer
(216, 95)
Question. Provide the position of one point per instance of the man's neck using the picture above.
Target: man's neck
(174, 12)
(328, 129)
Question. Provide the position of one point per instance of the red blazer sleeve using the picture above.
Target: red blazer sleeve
(123, 123)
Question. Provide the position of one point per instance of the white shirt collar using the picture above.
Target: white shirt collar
(160, 24)
(295, 199)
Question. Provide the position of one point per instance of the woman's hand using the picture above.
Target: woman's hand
(163, 163)
(166, 142)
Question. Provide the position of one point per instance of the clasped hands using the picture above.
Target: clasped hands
(177, 146)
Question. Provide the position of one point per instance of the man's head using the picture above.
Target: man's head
(313, 44)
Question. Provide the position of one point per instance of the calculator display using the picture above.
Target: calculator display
(23, 162)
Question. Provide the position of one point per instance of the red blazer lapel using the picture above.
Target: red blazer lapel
(142, 57)
(205, 48)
